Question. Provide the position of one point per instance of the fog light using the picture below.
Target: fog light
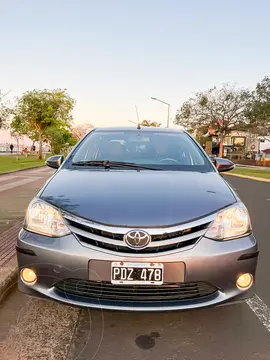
(28, 276)
(244, 281)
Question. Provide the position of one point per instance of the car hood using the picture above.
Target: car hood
(138, 198)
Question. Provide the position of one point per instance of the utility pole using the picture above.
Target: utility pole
(164, 102)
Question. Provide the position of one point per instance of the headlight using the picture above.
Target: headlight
(44, 219)
(230, 223)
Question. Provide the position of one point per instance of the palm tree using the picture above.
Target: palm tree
(150, 123)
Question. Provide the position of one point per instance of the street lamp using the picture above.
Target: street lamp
(164, 102)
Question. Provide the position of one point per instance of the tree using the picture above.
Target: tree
(221, 110)
(81, 130)
(258, 110)
(39, 110)
(5, 110)
(18, 128)
(150, 123)
(60, 139)
(17, 136)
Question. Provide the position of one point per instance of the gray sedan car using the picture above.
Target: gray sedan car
(137, 219)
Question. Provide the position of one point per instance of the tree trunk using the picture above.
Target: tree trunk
(18, 148)
(40, 147)
(221, 147)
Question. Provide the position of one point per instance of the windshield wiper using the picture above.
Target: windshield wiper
(111, 164)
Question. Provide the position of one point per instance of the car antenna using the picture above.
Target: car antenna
(138, 119)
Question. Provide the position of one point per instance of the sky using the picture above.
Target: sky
(114, 54)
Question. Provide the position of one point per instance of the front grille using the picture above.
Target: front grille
(170, 239)
(116, 236)
(150, 250)
(103, 291)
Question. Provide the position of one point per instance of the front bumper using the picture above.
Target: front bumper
(58, 259)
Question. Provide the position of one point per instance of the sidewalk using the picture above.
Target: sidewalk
(16, 191)
(248, 177)
(253, 167)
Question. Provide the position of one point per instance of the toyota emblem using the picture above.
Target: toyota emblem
(137, 239)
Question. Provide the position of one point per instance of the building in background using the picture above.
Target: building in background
(266, 154)
(241, 145)
(237, 145)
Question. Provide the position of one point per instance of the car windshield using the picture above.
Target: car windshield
(156, 149)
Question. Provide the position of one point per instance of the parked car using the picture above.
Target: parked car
(137, 219)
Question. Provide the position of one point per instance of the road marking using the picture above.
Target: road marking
(41, 170)
(260, 309)
(8, 177)
(18, 183)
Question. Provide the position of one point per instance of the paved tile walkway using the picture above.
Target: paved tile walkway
(8, 243)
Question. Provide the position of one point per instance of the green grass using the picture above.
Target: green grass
(265, 174)
(12, 162)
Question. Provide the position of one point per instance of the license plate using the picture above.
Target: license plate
(136, 273)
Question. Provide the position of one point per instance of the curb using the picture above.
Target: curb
(8, 259)
(249, 177)
(19, 170)
(8, 277)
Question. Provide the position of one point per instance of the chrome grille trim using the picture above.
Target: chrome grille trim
(151, 230)
(164, 240)
(144, 253)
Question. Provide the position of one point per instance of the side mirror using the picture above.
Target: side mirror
(223, 165)
(55, 161)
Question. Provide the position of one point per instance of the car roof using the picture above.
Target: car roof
(142, 128)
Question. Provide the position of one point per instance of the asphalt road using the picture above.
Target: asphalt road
(37, 329)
